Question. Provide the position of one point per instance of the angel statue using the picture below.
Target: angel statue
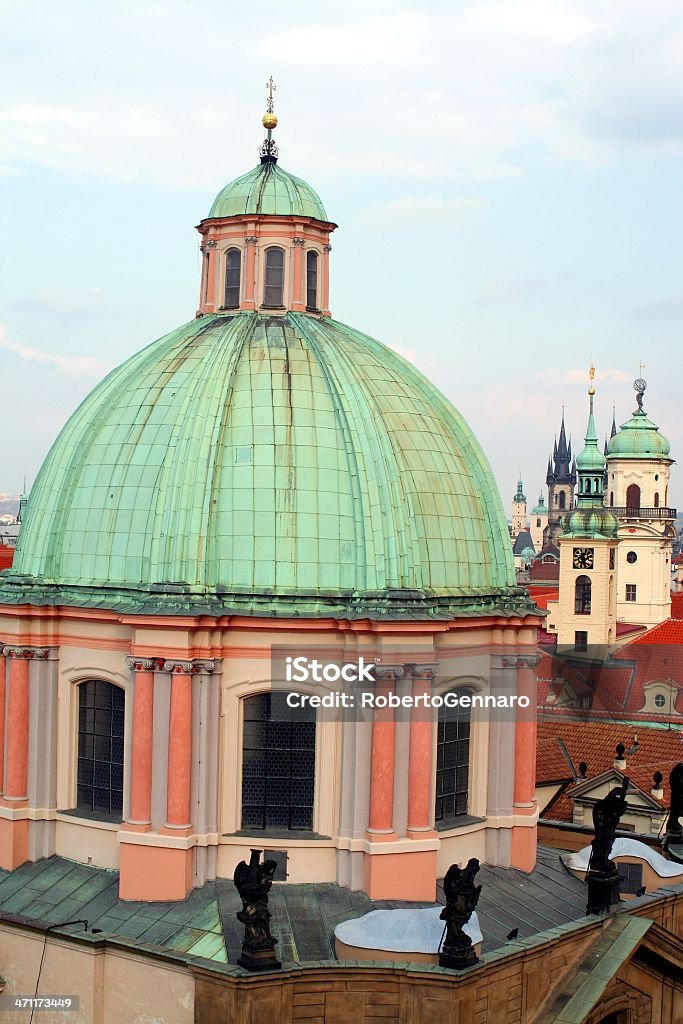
(461, 898)
(253, 882)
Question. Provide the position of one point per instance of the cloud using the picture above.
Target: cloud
(67, 364)
(416, 209)
(539, 19)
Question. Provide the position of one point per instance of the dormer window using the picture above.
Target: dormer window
(233, 263)
(311, 280)
(275, 278)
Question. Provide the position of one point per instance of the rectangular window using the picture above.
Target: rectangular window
(611, 558)
(630, 591)
(581, 640)
(452, 763)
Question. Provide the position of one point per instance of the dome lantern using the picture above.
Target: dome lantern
(266, 241)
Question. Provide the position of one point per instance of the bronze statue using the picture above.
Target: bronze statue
(253, 882)
(674, 830)
(603, 875)
(461, 898)
(606, 815)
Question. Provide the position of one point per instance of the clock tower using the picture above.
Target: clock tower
(639, 463)
(585, 614)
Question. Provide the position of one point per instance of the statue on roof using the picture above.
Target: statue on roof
(461, 898)
(674, 829)
(603, 875)
(253, 882)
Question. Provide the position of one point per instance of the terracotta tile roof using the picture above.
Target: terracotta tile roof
(677, 604)
(595, 742)
(654, 656)
(553, 763)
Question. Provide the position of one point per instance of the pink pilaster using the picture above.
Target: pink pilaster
(325, 303)
(523, 834)
(210, 304)
(179, 751)
(298, 274)
(420, 761)
(16, 782)
(249, 300)
(381, 818)
(141, 747)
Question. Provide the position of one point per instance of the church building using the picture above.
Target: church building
(265, 479)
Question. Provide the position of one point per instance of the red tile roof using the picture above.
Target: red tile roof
(595, 742)
(677, 604)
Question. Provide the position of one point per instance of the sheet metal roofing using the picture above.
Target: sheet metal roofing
(638, 438)
(204, 925)
(268, 189)
(279, 459)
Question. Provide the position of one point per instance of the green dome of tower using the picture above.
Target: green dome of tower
(268, 189)
(263, 464)
(638, 438)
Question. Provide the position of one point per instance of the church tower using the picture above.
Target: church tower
(561, 481)
(539, 521)
(518, 511)
(638, 492)
(585, 615)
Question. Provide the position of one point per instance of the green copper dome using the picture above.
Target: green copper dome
(541, 509)
(279, 465)
(587, 521)
(638, 438)
(268, 189)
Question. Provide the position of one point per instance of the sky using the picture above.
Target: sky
(506, 177)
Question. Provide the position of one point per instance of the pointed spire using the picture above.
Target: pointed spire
(614, 421)
(591, 462)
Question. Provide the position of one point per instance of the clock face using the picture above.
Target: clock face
(583, 558)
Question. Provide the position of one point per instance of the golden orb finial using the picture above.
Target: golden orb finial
(269, 121)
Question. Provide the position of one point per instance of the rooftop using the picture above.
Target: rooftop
(303, 916)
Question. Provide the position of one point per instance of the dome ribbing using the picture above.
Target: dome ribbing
(268, 189)
(254, 461)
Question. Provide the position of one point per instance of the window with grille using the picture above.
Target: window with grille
(311, 280)
(278, 764)
(582, 596)
(275, 277)
(101, 713)
(233, 263)
(630, 591)
(452, 762)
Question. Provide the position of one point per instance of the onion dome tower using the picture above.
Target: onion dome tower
(539, 521)
(262, 478)
(639, 467)
(585, 614)
(518, 510)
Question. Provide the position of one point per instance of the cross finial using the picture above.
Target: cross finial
(271, 87)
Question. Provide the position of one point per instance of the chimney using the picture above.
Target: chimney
(619, 758)
(657, 790)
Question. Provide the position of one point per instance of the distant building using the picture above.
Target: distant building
(561, 481)
(519, 520)
(538, 523)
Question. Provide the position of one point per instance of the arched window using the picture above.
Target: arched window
(611, 499)
(588, 486)
(538, 522)
(633, 496)
(582, 596)
(452, 762)
(311, 279)
(275, 278)
(563, 499)
(233, 263)
(656, 499)
(101, 708)
(278, 764)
